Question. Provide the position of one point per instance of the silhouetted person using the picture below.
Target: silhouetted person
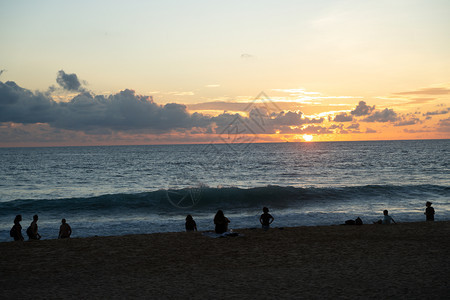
(16, 230)
(386, 219)
(266, 219)
(32, 231)
(221, 222)
(429, 211)
(190, 224)
(64, 230)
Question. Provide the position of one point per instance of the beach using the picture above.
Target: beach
(408, 261)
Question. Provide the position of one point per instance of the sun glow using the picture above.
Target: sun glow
(307, 137)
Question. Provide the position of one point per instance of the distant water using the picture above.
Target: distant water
(144, 189)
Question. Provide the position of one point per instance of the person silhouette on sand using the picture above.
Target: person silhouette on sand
(221, 222)
(386, 219)
(429, 211)
(266, 219)
(64, 230)
(16, 230)
(32, 231)
(190, 224)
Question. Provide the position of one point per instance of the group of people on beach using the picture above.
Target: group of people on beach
(32, 231)
(220, 221)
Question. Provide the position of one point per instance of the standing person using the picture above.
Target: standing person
(429, 211)
(190, 224)
(266, 219)
(16, 230)
(64, 230)
(32, 231)
(221, 222)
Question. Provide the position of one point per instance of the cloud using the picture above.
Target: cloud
(362, 109)
(435, 113)
(343, 117)
(90, 113)
(354, 126)
(407, 122)
(369, 130)
(247, 56)
(444, 125)
(22, 106)
(427, 91)
(386, 115)
(69, 82)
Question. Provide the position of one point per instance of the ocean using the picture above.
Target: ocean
(117, 190)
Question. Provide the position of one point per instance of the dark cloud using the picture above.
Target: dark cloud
(86, 112)
(69, 82)
(343, 117)
(386, 115)
(407, 122)
(444, 125)
(354, 126)
(427, 91)
(260, 121)
(362, 109)
(369, 130)
(438, 112)
(23, 106)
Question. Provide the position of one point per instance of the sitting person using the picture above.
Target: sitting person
(190, 224)
(221, 222)
(32, 231)
(266, 219)
(16, 230)
(64, 230)
(386, 219)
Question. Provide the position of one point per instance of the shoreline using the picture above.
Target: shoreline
(408, 260)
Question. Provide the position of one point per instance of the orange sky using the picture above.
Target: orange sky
(169, 72)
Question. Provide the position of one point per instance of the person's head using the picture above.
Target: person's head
(219, 214)
(63, 221)
(428, 204)
(35, 217)
(385, 212)
(18, 218)
(189, 218)
(265, 210)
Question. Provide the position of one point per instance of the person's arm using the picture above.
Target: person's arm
(393, 220)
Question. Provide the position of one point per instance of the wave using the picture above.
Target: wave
(203, 197)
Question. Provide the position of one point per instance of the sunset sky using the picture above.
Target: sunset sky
(165, 72)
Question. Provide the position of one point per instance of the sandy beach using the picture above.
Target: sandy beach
(406, 261)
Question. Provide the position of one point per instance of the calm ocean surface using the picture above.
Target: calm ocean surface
(144, 189)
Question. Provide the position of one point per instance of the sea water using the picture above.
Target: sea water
(116, 190)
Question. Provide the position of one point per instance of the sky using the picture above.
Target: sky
(174, 72)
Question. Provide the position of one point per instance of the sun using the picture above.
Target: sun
(307, 137)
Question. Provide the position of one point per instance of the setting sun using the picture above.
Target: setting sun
(307, 137)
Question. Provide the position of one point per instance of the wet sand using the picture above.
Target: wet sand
(407, 261)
